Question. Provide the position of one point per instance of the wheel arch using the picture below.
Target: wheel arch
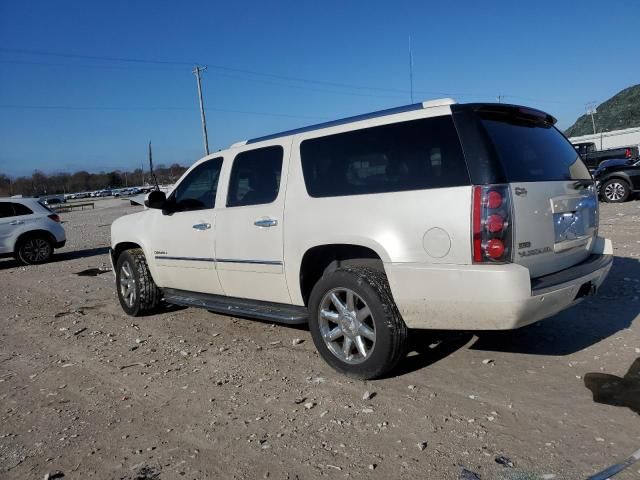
(118, 248)
(617, 176)
(34, 233)
(319, 258)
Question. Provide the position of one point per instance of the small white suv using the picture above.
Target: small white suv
(29, 231)
(432, 216)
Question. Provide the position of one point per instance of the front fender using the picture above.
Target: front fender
(133, 231)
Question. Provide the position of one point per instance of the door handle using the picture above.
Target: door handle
(202, 226)
(266, 222)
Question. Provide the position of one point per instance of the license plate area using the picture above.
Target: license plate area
(574, 221)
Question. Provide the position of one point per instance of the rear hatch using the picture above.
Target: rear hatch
(554, 203)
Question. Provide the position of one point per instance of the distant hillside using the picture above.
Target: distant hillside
(620, 111)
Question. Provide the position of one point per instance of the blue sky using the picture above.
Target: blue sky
(352, 56)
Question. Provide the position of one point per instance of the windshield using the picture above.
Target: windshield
(533, 151)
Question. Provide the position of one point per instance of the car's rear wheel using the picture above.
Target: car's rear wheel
(615, 191)
(34, 249)
(137, 292)
(355, 323)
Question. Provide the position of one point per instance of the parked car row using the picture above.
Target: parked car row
(120, 192)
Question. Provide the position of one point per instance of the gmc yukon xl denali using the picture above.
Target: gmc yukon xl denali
(436, 215)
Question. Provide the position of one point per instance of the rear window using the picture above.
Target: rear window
(534, 152)
(412, 155)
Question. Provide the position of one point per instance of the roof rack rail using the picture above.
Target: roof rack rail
(380, 113)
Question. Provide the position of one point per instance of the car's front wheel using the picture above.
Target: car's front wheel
(355, 323)
(34, 249)
(615, 191)
(137, 292)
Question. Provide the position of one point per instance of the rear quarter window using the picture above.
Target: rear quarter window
(534, 152)
(21, 209)
(413, 155)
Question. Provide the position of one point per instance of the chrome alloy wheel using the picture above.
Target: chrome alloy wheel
(36, 250)
(127, 284)
(614, 191)
(346, 325)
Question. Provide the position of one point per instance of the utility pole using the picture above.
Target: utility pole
(410, 69)
(500, 97)
(196, 71)
(591, 110)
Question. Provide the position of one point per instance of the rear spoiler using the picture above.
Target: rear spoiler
(516, 112)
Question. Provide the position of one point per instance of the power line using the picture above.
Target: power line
(94, 57)
(208, 64)
(174, 68)
(99, 108)
(236, 76)
(165, 63)
(231, 69)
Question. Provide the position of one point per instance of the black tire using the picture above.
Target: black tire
(372, 288)
(615, 190)
(141, 296)
(34, 249)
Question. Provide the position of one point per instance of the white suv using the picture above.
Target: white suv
(434, 215)
(29, 231)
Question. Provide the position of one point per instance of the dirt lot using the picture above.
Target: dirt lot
(91, 393)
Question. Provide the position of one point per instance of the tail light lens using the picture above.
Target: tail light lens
(492, 224)
(627, 153)
(54, 217)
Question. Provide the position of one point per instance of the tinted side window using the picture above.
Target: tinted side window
(21, 209)
(198, 190)
(6, 210)
(255, 177)
(412, 155)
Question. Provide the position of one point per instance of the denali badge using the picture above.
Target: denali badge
(159, 252)
(524, 244)
(521, 191)
(535, 251)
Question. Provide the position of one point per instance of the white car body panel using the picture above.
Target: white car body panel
(249, 258)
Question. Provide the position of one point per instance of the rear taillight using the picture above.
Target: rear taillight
(492, 225)
(627, 153)
(54, 217)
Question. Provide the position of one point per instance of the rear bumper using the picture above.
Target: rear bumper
(491, 297)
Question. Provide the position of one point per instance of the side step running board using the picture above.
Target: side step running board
(232, 306)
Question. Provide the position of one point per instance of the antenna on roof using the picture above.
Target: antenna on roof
(410, 69)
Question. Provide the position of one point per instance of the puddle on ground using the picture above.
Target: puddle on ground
(92, 272)
(616, 391)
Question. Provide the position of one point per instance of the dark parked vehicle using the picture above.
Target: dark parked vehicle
(618, 179)
(593, 158)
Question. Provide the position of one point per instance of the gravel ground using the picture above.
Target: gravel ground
(91, 393)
